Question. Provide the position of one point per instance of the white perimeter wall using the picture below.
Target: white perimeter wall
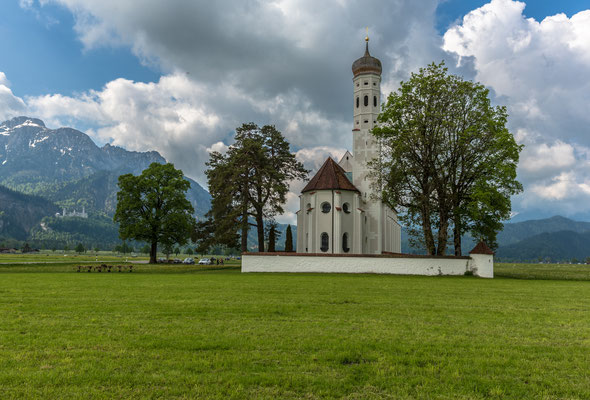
(376, 265)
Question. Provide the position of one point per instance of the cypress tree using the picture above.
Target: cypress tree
(289, 240)
(271, 239)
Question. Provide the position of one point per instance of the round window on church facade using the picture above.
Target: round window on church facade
(346, 208)
(326, 207)
(325, 242)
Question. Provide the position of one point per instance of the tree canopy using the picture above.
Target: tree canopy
(249, 184)
(448, 160)
(153, 208)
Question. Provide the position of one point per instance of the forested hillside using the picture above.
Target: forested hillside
(48, 169)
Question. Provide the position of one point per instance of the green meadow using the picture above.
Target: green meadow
(180, 332)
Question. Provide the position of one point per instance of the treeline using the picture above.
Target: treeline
(96, 230)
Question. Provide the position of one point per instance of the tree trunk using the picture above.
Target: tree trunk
(260, 229)
(154, 252)
(245, 228)
(457, 238)
(443, 234)
(271, 240)
(427, 228)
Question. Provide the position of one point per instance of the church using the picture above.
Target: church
(338, 213)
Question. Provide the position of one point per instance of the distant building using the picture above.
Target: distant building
(74, 213)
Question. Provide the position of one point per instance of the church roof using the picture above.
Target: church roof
(330, 176)
(366, 64)
(481, 248)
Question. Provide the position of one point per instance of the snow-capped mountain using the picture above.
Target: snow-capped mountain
(65, 166)
(30, 152)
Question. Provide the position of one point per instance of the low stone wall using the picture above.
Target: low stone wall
(399, 264)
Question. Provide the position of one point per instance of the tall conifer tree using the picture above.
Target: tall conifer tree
(289, 240)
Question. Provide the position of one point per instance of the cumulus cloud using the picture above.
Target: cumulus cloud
(166, 115)
(10, 105)
(542, 157)
(281, 62)
(537, 69)
(266, 50)
(287, 62)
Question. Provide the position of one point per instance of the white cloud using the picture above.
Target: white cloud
(537, 69)
(542, 157)
(314, 157)
(10, 105)
(287, 62)
(219, 147)
(281, 62)
(25, 3)
(166, 116)
(565, 185)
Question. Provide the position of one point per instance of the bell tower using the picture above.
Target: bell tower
(366, 102)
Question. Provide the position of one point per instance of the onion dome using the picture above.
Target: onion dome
(367, 64)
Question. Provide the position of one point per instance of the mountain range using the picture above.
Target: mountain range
(555, 239)
(43, 170)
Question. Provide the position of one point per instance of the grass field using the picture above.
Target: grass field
(190, 332)
(68, 258)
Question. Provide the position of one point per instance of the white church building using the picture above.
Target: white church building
(342, 227)
(338, 213)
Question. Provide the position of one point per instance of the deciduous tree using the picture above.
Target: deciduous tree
(448, 159)
(80, 248)
(153, 208)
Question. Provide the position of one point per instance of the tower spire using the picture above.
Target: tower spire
(367, 42)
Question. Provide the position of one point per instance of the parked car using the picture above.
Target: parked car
(177, 261)
(205, 261)
(188, 260)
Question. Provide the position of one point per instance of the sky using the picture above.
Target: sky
(179, 76)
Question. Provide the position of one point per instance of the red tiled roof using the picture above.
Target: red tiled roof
(481, 248)
(331, 176)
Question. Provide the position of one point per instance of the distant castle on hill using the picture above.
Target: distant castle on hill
(74, 213)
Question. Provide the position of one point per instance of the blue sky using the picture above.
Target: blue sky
(42, 54)
(179, 76)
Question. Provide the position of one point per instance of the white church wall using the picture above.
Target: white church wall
(324, 220)
(482, 265)
(346, 219)
(358, 264)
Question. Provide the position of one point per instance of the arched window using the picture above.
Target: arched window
(366, 101)
(326, 207)
(345, 247)
(325, 242)
(374, 101)
(357, 102)
(346, 208)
